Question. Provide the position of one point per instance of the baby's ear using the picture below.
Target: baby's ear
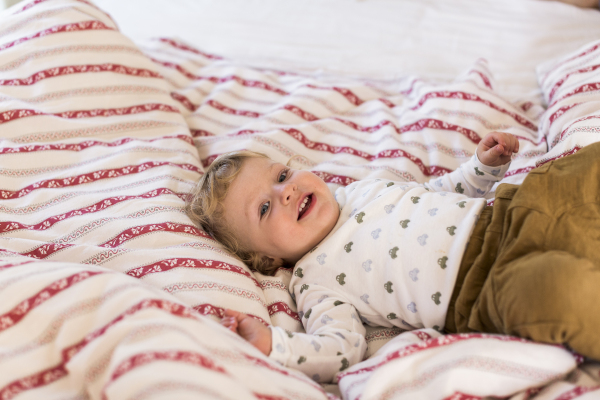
(272, 262)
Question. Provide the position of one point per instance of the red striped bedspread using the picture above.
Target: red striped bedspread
(107, 290)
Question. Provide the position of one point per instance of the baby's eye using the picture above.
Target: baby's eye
(264, 208)
(283, 175)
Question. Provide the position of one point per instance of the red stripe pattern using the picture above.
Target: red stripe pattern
(84, 145)
(79, 69)
(420, 125)
(94, 208)
(169, 264)
(189, 49)
(186, 357)
(91, 177)
(209, 309)
(284, 308)
(432, 170)
(12, 115)
(59, 371)
(577, 392)
(79, 26)
(440, 341)
(11, 318)
(473, 97)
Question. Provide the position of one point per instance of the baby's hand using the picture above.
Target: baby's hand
(496, 148)
(249, 328)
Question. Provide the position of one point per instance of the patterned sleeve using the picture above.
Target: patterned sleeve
(472, 179)
(335, 337)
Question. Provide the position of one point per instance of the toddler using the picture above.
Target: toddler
(412, 255)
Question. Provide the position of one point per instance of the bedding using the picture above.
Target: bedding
(109, 291)
(384, 39)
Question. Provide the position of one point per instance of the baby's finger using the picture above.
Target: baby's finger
(504, 140)
(512, 143)
(491, 139)
(516, 145)
(231, 313)
(229, 323)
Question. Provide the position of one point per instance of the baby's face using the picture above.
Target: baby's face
(279, 212)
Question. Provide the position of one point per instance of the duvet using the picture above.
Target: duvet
(108, 291)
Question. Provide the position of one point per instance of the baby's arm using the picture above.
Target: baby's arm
(477, 176)
(335, 338)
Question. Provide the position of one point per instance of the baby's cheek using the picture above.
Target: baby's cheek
(284, 233)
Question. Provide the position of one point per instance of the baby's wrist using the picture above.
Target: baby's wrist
(278, 345)
(497, 171)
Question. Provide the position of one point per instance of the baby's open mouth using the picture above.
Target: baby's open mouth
(304, 206)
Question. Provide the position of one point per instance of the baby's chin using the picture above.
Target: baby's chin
(323, 233)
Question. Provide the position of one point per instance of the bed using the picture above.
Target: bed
(110, 111)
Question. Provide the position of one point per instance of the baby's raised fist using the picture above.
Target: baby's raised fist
(497, 148)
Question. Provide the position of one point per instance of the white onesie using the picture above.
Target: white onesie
(391, 260)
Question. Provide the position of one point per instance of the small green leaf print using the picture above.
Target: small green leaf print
(337, 303)
(340, 278)
(478, 172)
(415, 199)
(348, 247)
(392, 316)
(299, 273)
(301, 360)
(359, 217)
(437, 328)
(303, 288)
(339, 353)
(461, 204)
(388, 286)
(404, 223)
(345, 364)
(451, 230)
(393, 252)
(459, 188)
(307, 314)
(436, 298)
(290, 334)
(390, 184)
(442, 262)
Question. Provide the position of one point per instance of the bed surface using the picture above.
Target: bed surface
(373, 38)
(108, 291)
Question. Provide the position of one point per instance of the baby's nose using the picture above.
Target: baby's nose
(287, 192)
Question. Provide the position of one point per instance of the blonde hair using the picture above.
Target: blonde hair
(205, 207)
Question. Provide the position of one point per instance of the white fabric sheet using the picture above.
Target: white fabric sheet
(376, 38)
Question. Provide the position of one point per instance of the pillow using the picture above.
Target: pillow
(97, 160)
(100, 268)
